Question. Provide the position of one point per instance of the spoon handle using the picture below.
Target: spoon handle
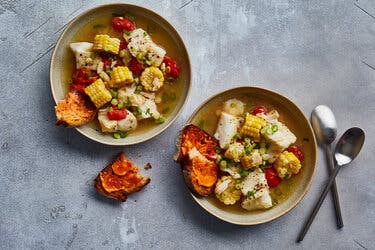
(334, 192)
(319, 203)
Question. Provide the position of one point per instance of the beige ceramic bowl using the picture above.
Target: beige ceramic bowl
(59, 88)
(294, 119)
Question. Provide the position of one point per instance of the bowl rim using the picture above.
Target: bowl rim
(305, 190)
(72, 22)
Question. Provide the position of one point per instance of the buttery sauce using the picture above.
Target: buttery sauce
(169, 93)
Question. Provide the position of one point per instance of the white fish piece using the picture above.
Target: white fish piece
(227, 127)
(280, 140)
(107, 125)
(234, 107)
(263, 202)
(84, 55)
(255, 182)
(233, 171)
(235, 151)
(271, 116)
(148, 109)
(139, 42)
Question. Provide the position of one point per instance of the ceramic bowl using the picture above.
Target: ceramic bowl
(299, 125)
(58, 69)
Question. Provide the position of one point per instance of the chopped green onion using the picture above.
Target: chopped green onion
(251, 194)
(160, 120)
(114, 101)
(145, 34)
(116, 135)
(148, 62)
(123, 134)
(120, 105)
(274, 128)
(243, 172)
(218, 158)
(223, 164)
(236, 136)
(139, 111)
(248, 149)
(232, 105)
(114, 93)
(238, 184)
(262, 151)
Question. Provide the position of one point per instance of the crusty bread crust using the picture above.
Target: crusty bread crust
(119, 179)
(200, 175)
(75, 110)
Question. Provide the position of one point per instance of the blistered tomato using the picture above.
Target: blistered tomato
(297, 152)
(171, 69)
(135, 66)
(84, 76)
(272, 178)
(117, 114)
(259, 110)
(122, 23)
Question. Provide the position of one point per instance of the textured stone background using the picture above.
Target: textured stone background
(315, 52)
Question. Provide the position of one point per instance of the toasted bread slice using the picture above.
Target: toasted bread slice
(120, 178)
(197, 157)
(75, 110)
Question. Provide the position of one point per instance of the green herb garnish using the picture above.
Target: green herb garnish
(251, 194)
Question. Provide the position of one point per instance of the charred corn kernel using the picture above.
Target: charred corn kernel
(252, 126)
(120, 76)
(287, 164)
(152, 79)
(106, 43)
(98, 94)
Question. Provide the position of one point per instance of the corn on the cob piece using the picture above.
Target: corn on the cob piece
(98, 94)
(106, 43)
(252, 126)
(252, 160)
(287, 164)
(120, 76)
(152, 79)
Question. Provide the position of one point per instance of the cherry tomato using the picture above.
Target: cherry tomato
(135, 66)
(79, 87)
(259, 110)
(272, 178)
(171, 69)
(122, 23)
(117, 114)
(123, 45)
(107, 62)
(297, 152)
(84, 76)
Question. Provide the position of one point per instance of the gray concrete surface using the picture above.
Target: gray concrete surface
(315, 52)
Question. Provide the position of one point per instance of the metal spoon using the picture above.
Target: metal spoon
(324, 124)
(346, 150)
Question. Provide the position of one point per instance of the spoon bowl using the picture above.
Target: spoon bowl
(324, 124)
(349, 146)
